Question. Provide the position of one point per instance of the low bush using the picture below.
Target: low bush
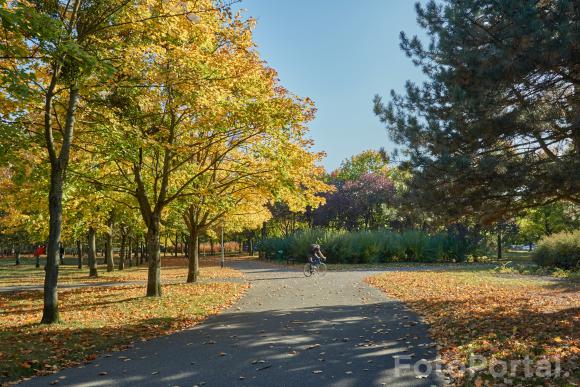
(371, 246)
(559, 250)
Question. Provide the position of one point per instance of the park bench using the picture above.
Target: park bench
(280, 256)
(290, 259)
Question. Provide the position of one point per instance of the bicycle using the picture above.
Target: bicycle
(314, 268)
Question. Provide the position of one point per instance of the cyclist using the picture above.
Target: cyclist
(316, 255)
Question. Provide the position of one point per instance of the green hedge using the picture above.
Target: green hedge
(559, 250)
(371, 246)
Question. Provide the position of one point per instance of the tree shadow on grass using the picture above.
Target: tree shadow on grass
(509, 330)
(26, 302)
(564, 285)
(40, 349)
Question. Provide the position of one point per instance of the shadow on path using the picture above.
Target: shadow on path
(286, 331)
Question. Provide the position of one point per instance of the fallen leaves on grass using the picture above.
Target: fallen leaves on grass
(98, 319)
(498, 318)
(173, 270)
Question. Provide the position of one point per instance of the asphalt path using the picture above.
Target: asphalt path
(287, 330)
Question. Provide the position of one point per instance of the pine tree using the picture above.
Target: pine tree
(496, 128)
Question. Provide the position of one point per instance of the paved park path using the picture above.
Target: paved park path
(287, 330)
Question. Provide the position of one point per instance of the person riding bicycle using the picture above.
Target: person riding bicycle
(316, 255)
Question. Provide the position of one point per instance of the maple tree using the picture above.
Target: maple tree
(170, 74)
(194, 103)
(366, 162)
(235, 192)
(50, 57)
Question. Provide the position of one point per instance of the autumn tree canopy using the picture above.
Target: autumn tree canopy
(138, 111)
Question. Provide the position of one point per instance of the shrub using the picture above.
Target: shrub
(370, 246)
(559, 250)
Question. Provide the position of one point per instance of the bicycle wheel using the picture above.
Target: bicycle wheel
(308, 270)
(322, 269)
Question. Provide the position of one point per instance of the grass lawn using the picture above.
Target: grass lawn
(517, 256)
(174, 269)
(502, 317)
(105, 318)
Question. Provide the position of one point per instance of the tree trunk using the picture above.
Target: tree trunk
(262, 253)
(122, 250)
(499, 247)
(60, 256)
(154, 256)
(183, 245)
(17, 255)
(50, 310)
(80, 254)
(547, 226)
(193, 266)
(92, 252)
(176, 244)
(211, 246)
(165, 249)
(109, 245)
(136, 251)
(130, 250)
(142, 253)
(251, 247)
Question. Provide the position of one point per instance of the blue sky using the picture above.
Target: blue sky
(340, 53)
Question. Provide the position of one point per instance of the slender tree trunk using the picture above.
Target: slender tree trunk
(176, 244)
(50, 311)
(103, 251)
(109, 245)
(547, 226)
(165, 249)
(251, 247)
(60, 256)
(142, 253)
(154, 256)
(136, 251)
(499, 247)
(130, 250)
(92, 252)
(17, 252)
(262, 253)
(193, 266)
(122, 250)
(80, 254)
